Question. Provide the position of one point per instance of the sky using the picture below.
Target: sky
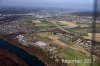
(78, 4)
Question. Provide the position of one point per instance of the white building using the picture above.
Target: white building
(21, 39)
(40, 44)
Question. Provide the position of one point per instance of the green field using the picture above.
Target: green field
(45, 23)
(66, 42)
(79, 31)
(71, 54)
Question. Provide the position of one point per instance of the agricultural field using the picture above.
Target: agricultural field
(81, 30)
(53, 38)
(97, 36)
(68, 24)
(42, 22)
(71, 54)
(68, 50)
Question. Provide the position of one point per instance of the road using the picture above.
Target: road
(59, 26)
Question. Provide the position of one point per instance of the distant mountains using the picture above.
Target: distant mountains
(25, 9)
(84, 13)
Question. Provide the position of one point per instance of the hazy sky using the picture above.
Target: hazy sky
(85, 4)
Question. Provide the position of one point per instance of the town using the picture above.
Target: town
(58, 32)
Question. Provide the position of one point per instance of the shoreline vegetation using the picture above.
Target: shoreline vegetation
(10, 58)
(38, 52)
(29, 59)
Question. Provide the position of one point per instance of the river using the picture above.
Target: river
(30, 59)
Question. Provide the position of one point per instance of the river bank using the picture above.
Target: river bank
(31, 60)
(8, 58)
(39, 53)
